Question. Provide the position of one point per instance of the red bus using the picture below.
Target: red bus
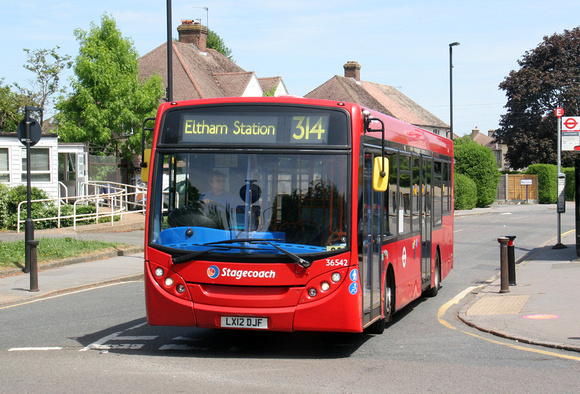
(292, 214)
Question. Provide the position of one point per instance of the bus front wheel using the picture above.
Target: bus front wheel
(432, 292)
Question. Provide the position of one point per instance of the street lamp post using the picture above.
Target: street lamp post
(169, 55)
(453, 44)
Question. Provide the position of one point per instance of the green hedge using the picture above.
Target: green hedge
(465, 192)
(478, 162)
(547, 182)
(4, 213)
(570, 183)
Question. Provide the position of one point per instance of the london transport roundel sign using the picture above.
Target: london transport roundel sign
(559, 112)
(570, 123)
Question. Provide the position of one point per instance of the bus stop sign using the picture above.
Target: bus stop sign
(35, 132)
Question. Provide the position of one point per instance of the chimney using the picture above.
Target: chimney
(193, 33)
(352, 70)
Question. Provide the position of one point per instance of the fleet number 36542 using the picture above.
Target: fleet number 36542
(336, 262)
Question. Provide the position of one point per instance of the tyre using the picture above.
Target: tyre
(379, 326)
(432, 292)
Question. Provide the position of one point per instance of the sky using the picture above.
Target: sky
(404, 44)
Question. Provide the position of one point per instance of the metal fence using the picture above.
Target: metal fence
(110, 199)
(104, 168)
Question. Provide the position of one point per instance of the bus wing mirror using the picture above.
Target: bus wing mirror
(145, 168)
(380, 174)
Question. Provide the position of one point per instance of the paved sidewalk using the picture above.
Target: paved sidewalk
(16, 288)
(77, 273)
(542, 308)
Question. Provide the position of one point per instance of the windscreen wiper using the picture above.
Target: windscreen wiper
(243, 240)
(297, 259)
(219, 244)
(266, 241)
(190, 256)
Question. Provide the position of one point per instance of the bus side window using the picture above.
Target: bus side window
(404, 207)
(390, 197)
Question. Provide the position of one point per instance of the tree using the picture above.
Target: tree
(47, 73)
(549, 77)
(214, 41)
(109, 102)
(478, 163)
(11, 107)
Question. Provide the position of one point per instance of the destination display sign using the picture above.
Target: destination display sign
(242, 129)
(220, 128)
(248, 126)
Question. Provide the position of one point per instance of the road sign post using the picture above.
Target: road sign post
(29, 133)
(561, 181)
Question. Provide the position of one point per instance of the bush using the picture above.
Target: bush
(11, 197)
(478, 163)
(547, 182)
(465, 192)
(19, 193)
(65, 210)
(15, 196)
(570, 183)
(4, 213)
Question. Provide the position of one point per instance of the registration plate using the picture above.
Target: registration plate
(245, 322)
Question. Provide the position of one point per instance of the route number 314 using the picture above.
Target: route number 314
(308, 128)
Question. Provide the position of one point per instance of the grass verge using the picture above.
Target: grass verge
(52, 249)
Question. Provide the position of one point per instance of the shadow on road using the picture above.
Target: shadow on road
(136, 337)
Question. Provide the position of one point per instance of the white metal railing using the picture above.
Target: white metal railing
(63, 186)
(110, 199)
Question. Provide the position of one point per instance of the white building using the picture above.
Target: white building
(57, 168)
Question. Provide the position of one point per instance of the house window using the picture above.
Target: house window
(39, 165)
(4, 168)
(66, 167)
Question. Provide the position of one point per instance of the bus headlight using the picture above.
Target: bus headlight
(325, 286)
(159, 272)
(336, 277)
(312, 292)
(168, 282)
(180, 288)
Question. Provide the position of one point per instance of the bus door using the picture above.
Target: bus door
(426, 220)
(370, 230)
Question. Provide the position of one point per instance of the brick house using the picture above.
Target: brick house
(499, 150)
(200, 72)
(381, 98)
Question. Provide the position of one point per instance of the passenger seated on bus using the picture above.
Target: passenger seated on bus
(218, 195)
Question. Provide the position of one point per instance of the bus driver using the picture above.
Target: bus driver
(218, 193)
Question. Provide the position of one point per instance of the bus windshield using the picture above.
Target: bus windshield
(249, 203)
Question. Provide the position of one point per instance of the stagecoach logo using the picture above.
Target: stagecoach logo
(213, 272)
(404, 257)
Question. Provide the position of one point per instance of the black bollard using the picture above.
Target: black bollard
(33, 265)
(511, 260)
(504, 265)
